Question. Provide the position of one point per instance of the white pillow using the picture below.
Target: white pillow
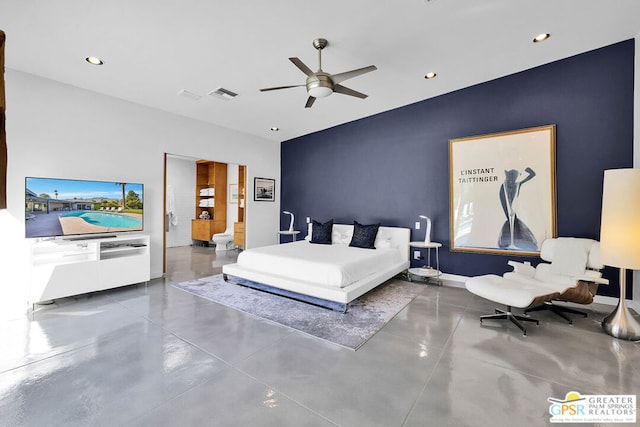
(383, 243)
(340, 238)
(383, 240)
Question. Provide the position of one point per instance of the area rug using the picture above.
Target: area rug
(364, 317)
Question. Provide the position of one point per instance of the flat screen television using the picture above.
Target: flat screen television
(73, 207)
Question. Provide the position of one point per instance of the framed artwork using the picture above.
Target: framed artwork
(233, 193)
(264, 189)
(503, 191)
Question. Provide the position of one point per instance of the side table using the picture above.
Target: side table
(293, 233)
(427, 271)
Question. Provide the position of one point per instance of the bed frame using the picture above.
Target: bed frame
(326, 296)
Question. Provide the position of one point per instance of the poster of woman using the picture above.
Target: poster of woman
(502, 189)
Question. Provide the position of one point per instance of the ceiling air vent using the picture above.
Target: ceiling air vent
(223, 93)
(186, 94)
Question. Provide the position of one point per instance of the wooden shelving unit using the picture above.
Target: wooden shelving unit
(238, 227)
(210, 175)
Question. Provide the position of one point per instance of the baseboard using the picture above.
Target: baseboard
(601, 299)
(453, 280)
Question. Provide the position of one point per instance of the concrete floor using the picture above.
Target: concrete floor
(157, 356)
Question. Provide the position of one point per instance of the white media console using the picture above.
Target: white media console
(62, 268)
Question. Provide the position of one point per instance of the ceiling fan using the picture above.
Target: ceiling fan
(321, 84)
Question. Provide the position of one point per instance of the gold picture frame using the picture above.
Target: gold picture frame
(502, 189)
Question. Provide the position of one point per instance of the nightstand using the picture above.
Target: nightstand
(427, 271)
(293, 233)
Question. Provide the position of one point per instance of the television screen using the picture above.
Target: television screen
(71, 207)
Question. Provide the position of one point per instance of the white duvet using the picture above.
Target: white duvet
(336, 265)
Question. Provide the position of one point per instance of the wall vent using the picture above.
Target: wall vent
(223, 93)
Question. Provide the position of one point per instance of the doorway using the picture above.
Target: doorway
(197, 192)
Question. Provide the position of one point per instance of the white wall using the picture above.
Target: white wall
(61, 131)
(181, 182)
(232, 208)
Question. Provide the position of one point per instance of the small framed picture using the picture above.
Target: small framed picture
(264, 189)
(233, 193)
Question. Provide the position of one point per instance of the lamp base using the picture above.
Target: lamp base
(620, 323)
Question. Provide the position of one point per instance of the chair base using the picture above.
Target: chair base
(557, 309)
(509, 315)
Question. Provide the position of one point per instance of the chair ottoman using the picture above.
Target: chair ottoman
(510, 293)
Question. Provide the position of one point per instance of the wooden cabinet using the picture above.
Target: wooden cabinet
(202, 229)
(211, 197)
(238, 234)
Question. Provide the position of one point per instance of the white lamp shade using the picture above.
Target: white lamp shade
(620, 226)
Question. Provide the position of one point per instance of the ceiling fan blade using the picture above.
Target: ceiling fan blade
(278, 87)
(301, 66)
(340, 77)
(346, 91)
(310, 102)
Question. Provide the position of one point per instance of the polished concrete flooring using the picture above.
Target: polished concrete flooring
(157, 356)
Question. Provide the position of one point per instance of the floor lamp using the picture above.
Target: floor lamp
(620, 242)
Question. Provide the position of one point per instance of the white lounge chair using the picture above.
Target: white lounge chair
(572, 275)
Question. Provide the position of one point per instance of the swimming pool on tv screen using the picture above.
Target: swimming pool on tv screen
(108, 220)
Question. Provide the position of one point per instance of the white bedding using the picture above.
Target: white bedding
(336, 265)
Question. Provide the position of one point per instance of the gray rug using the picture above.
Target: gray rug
(364, 317)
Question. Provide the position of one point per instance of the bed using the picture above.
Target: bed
(330, 275)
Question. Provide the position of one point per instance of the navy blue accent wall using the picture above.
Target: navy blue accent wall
(394, 166)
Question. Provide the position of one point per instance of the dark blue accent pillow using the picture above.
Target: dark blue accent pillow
(364, 236)
(321, 233)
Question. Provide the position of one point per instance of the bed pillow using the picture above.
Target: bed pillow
(383, 240)
(321, 233)
(383, 243)
(364, 236)
(340, 238)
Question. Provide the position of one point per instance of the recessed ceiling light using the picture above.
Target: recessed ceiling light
(93, 60)
(541, 37)
(275, 129)
(430, 75)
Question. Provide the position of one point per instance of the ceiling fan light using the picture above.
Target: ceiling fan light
(319, 85)
(320, 91)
